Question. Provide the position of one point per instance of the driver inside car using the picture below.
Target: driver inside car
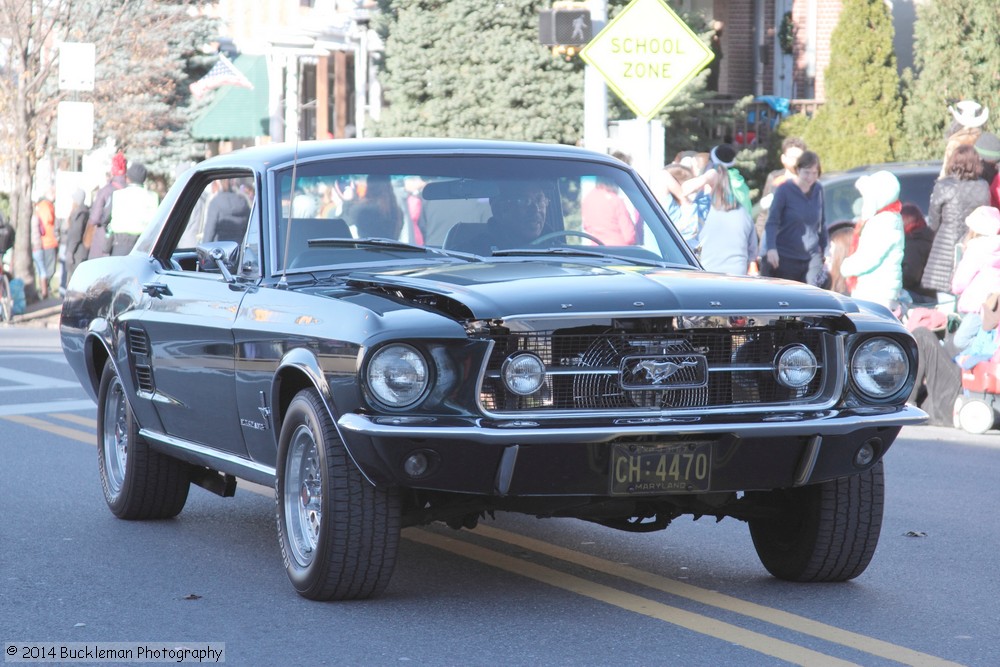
(518, 218)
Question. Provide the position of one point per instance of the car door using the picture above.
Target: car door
(190, 309)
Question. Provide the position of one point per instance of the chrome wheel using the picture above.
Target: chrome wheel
(115, 437)
(303, 495)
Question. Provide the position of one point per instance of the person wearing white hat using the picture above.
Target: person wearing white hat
(877, 263)
(978, 273)
(969, 117)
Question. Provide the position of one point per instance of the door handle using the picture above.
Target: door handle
(156, 290)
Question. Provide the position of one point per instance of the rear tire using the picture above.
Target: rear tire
(338, 533)
(138, 482)
(823, 532)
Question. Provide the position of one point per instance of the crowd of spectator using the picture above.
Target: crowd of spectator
(939, 272)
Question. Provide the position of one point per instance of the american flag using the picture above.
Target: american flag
(223, 73)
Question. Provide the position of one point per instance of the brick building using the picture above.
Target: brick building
(772, 47)
(782, 47)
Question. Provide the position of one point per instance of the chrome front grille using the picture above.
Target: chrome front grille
(597, 369)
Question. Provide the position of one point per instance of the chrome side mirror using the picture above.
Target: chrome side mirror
(219, 256)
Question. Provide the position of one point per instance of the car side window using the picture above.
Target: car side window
(222, 212)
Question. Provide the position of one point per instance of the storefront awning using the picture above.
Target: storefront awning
(236, 112)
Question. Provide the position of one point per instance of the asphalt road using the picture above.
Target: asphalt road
(516, 591)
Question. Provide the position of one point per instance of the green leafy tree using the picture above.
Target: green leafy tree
(861, 120)
(466, 68)
(957, 57)
(144, 49)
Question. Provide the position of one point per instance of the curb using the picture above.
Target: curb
(39, 314)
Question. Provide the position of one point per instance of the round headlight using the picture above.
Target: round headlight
(397, 375)
(880, 367)
(796, 366)
(523, 373)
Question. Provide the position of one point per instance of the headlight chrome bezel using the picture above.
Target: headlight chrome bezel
(378, 384)
(519, 360)
(863, 376)
(781, 370)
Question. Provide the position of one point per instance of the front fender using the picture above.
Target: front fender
(98, 349)
(300, 369)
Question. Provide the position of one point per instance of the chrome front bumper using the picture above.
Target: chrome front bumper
(823, 422)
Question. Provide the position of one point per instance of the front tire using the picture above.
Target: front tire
(821, 532)
(138, 482)
(338, 533)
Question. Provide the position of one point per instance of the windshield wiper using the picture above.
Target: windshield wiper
(372, 241)
(572, 252)
(378, 242)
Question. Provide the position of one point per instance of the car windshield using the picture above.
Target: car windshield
(466, 206)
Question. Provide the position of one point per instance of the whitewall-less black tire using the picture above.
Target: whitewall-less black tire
(821, 532)
(138, 483)
(338, 533)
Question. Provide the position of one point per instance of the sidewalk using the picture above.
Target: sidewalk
(43, 313)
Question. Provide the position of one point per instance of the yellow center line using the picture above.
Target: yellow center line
(89, 422)
(705, 625)
(777, 617)
(41, 425)
(695, 622)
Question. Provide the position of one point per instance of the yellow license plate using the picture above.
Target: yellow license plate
(650, 469)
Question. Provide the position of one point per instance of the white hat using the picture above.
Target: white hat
(878, 190)
(969, 113)
(984, 221)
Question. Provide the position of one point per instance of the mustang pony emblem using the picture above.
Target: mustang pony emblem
(660, 371)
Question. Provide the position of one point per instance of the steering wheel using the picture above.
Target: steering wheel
(564, 233)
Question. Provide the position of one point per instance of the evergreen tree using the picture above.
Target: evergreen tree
(957, 57)
(142, 100)
(466, 68)
(861, 120)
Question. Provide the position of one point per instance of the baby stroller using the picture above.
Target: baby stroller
(976, 407)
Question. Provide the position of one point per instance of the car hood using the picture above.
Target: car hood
(490, 290)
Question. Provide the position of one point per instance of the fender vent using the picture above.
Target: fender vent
(138, 344)
(139, 354)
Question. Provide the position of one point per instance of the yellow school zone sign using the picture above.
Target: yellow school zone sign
(646, 54)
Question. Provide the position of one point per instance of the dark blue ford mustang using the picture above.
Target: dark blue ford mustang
(399, 332)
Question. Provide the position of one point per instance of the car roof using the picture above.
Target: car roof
(916, 180)
(282, 153)
(915, 167)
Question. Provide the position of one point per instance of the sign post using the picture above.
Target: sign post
(646, 55)
(595, 92)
